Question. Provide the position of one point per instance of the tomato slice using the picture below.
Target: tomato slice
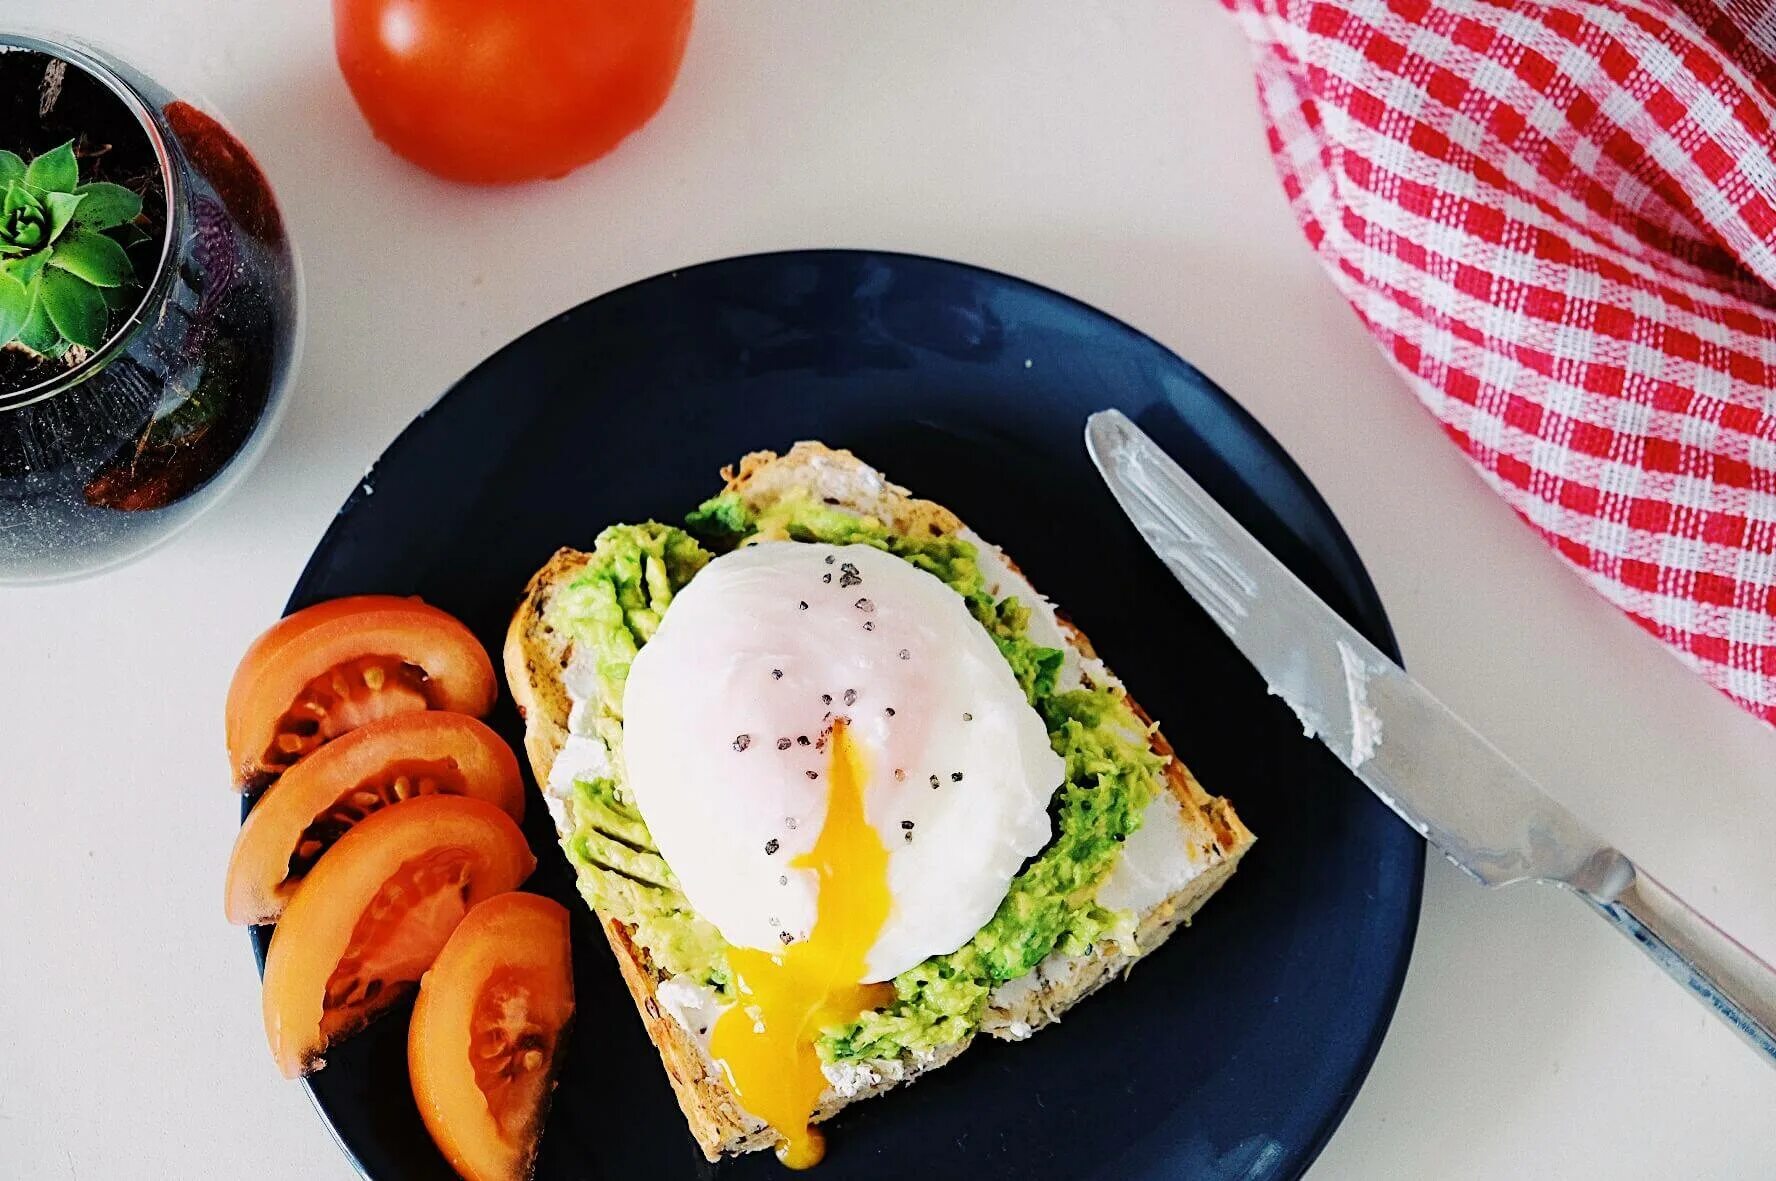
(333, 667)
(374, 912)
(313, 804)
(487, 1034)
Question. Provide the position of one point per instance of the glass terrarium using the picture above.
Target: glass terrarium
(148, 370)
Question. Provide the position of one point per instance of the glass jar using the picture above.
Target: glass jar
(103, 459)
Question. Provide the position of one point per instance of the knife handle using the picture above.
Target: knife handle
(1718, 970)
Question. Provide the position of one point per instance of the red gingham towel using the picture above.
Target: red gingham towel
(1559, 220)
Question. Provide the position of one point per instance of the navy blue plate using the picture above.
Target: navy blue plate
(1234, 1050)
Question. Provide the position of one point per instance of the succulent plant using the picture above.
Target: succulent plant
(63, 268)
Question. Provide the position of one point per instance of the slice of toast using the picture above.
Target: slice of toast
(1208, 836)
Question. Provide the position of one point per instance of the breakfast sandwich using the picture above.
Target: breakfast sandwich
(845, 792)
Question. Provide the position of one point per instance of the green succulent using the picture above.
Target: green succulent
(63, 267)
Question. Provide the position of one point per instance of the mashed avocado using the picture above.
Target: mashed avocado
(621, 874)
(613, 607)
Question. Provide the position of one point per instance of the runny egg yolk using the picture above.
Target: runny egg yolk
(765, 1042)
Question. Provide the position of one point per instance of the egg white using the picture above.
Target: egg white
(726, 712)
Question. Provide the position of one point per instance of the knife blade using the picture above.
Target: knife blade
(1476, 807)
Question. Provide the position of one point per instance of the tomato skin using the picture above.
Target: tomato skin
(392, 634)
(373, 914)
(343, 782)
(494, 93)
(487, 1034)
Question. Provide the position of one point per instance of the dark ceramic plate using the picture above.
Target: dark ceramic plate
(1234, 1050)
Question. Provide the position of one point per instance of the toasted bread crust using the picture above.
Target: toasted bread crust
(535, 657)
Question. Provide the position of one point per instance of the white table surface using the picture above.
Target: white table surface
(1112, 150)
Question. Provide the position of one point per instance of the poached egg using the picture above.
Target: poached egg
(844, 774)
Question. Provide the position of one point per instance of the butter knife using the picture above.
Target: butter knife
(1469, 801)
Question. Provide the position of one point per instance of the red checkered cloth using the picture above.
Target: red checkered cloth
(1559, 221)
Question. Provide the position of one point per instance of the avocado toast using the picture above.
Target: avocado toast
(1137, 844)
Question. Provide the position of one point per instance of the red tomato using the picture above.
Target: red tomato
(509, 90)
(338, 665)
(374, 912)
(487, 1034)
(321, 798)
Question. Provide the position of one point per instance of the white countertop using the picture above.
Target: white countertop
(1109, 149)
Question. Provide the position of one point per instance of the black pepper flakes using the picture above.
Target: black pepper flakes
(900, 774)
(801, 605)
(967, 717)
(826, 699)
(848, 575)
(742, 741)
(904, 654)
(864, 605)
(869, 625)
(830, 559)
(850, 697)
(889, 711)
(812, 774)
(786, 937)
(801, 740)
(955, 777)
(776, 674)
(783, 744)
(771, 847)
(826, 578)
(790, 823)
(908, 837)
(934, 783)
(783, 879)
(906, 824)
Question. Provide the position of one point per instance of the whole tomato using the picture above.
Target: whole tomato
(493, 91)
